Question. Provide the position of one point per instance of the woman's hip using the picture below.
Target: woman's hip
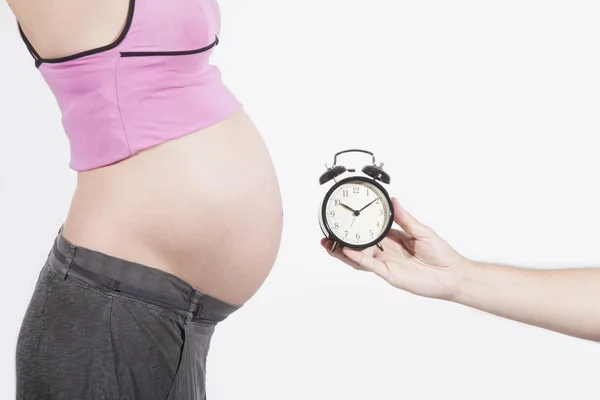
(100, 327)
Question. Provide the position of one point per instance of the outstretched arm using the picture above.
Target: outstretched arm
(417, 260)
(562, 300)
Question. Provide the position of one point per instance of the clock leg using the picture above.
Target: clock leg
(380, 246)
(334, 247)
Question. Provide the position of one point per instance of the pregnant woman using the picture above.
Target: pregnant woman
(156, 249)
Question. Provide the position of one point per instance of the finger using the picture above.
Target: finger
(409, 223)
(328, 243)
(366, 262)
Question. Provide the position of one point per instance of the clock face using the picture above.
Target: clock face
(358, 212)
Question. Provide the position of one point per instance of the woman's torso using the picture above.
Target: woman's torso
(204, 206)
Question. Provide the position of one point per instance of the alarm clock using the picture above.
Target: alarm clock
(357, 211)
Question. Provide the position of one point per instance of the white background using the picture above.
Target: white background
(486, 116)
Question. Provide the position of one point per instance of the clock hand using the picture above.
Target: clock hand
(368, 204)
(347, 208)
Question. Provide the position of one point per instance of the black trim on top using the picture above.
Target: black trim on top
(34, 53)
(40, 60)
(169, 53)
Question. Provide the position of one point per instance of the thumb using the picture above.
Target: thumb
(408, 223)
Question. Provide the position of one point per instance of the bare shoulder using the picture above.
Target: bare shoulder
(59, 28)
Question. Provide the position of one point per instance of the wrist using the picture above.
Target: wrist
(464, 270)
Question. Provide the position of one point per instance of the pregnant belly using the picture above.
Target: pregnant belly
(205, 207)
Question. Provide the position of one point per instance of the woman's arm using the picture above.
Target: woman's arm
(417, 260)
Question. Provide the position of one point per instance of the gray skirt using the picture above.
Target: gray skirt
(99, 327)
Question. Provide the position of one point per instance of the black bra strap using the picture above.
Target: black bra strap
(34, 54)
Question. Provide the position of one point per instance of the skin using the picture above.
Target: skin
(417, 260)
(176, 206)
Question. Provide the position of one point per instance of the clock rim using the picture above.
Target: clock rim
(329, 233)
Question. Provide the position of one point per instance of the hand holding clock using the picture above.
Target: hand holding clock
(417, 260)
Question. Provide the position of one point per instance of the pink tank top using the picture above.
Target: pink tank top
(153, 84)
